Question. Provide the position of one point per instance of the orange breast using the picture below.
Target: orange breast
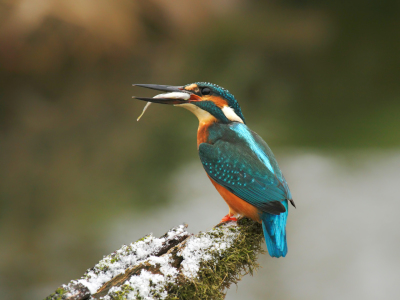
(237, 205)
(202, 131)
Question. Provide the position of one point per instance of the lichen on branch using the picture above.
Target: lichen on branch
(178, 265)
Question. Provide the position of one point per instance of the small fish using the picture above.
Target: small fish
(144, 109)
(173, 95)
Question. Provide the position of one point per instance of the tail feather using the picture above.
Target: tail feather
(274, 227)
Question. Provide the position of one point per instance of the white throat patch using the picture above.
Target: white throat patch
(201, 114)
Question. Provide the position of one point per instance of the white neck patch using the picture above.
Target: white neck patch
(231, 115)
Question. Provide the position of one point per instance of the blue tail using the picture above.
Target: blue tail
(274, 227)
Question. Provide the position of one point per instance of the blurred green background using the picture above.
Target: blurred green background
(311, 77)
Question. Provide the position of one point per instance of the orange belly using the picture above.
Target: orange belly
(237, 205)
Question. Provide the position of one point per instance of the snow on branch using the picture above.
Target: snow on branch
(177, 265)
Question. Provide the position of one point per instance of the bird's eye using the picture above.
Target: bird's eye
(206, 91)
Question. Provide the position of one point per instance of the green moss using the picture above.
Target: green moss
(57, 295)
(217, 274)
(143, 238)
(114, 259)
(103, 268)
(122, 293)
(126, 289)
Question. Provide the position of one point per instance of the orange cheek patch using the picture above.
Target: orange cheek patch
(217, 100)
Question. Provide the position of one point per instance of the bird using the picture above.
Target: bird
(239, 163)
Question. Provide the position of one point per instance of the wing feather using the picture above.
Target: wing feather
(235, 166)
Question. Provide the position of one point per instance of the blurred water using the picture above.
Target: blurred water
(343, 237)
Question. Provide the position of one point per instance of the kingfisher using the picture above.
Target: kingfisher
(239, 163)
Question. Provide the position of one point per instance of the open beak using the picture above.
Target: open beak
(174, 95)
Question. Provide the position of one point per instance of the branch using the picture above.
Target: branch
(178, 265)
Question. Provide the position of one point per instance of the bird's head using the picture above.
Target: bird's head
(209, 102)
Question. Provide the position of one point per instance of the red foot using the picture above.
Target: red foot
(228, 218)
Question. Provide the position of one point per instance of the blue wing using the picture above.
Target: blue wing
(242, 162)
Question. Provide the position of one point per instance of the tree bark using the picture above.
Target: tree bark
(178, 265)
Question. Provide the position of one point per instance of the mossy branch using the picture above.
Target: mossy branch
(178, 265)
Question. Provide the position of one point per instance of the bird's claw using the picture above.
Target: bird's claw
(228, 218)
